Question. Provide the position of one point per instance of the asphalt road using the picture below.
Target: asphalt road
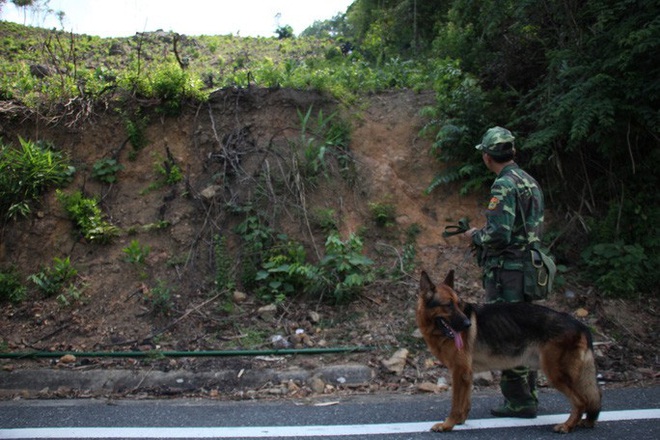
(383, 416)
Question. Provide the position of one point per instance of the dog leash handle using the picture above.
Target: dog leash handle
(462, 226)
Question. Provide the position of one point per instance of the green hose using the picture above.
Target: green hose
(157, 353)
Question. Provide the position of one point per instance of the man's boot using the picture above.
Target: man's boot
(518, 399)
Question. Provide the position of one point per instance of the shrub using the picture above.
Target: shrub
(383, 214)
(88, 217)
(286, 273)
(344, 269)
(159, 297)
(172, 85)
(136, 253)
(105, 170)
(11, 288)
(618, 269)
(136, 125)
(26, 172)
(51, 280)
(257, 237)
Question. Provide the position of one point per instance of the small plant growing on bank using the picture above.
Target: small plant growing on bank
(345, 269)
(26, 172)
(286, 272)
(169, 173)
(136, 126)
(11, 288)
(617, 268)
(257, 237)
(160, 298)
(136, 253)
(71, 294)
(326, 219)
(320, 140)
(51, 280)
(88, 217)
(105, 170)
(383, 214)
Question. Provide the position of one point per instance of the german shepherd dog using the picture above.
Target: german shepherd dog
(469, 338)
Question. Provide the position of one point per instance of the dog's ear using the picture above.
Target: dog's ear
(449, 279)
(426, 286)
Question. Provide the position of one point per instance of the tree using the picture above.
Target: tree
(578, 81)
(333, 28)
(37, 7)
(283, 32)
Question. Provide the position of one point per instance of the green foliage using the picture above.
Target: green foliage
(70, 295)
(170, 174)
(257, 238)
(619, 270)
(344, 269)
(326, 219)
(88, 217)
(26, 172)
(383, 214)
(142, 72)
(136, 125)
(159, 297)
(285, 273)
(136, 253)
(172, 85)
(105, 170)
(320, 139)
(277, 267)
(51, 280)
(342, 273)
(11, 288)
(457, 119)
(283, 32)
(165, 81)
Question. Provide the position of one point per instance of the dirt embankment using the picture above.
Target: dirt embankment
(227, 149)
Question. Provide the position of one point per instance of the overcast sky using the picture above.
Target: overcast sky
(123, 18)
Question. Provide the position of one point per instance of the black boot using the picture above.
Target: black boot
(518, 399)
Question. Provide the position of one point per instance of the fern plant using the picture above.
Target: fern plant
(51, 280)
(88, 217)
(26, 172)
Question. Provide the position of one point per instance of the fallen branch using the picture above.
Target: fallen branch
(167, 327)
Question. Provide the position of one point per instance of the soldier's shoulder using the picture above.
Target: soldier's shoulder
(507, 180)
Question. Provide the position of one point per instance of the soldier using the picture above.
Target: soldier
(514, 223)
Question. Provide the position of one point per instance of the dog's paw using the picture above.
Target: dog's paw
(584, 423)
(442, 427)
(562, 428)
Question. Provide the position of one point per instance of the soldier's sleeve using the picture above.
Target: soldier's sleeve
(500, 216)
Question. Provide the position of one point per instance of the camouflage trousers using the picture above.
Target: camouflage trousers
(504, 285)
(518, 385)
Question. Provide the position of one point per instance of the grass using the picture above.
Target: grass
(145, 66)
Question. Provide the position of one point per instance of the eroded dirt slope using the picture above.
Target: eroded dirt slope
(226, 149)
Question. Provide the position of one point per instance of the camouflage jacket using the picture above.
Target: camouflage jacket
(514, 218)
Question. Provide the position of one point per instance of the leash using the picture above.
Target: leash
(462, 226)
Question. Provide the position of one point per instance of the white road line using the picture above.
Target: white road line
(301, 431)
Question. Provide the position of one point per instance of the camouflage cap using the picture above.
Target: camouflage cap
(496, 141)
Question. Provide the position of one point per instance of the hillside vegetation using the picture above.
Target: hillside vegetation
(576, 83)
(181, 192)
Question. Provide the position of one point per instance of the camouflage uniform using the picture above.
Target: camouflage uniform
(514, 222)
(504, 238)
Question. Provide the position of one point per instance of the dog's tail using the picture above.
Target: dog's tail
(591, 390)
